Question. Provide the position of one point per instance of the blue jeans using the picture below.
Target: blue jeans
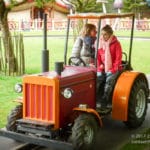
(105, 84)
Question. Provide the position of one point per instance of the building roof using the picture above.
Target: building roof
(57, 6)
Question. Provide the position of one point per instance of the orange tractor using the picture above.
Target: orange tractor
(58, 109)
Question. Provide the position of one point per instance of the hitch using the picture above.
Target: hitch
(52, 144)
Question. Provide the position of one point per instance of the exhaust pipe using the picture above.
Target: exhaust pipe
(59, 67)
(45, 51)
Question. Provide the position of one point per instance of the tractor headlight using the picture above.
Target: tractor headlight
(18, 88)
(68, 93)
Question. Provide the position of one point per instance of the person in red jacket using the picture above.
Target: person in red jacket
(109, 58)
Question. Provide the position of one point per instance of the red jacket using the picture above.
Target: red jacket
(116, 55)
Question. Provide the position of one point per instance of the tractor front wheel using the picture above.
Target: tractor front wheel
(84, 132)
(14, 115)
(137, 104)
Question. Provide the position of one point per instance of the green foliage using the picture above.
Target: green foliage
(86, 5)
(136, 6)
(40, 3)
(132, 5)
(109, 6)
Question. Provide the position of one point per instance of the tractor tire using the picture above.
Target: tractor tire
(15, 114)
(137, 106)
(84, 132)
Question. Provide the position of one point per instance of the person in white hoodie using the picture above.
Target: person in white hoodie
(84, 45)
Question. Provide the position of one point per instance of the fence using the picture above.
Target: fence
(37, 24)
(55, 24)
(18, 56)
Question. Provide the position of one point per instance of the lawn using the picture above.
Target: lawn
(7, 95)
(137, 33)
(33, 48)
(140, 141)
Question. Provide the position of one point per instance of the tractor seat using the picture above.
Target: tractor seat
(125, 63)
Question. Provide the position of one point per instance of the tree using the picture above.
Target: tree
(84, 5)
(109, 6)
(133, 6)
(40, 3)
(4, 9)
(6, 35)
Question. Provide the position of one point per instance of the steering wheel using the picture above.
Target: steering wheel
(76, 61)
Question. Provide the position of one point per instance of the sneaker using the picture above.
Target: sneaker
(101, 105)
(104, 110)
(98, 105)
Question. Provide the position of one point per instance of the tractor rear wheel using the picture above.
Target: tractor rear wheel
(84, 132)
(14, 115)
(137, 104)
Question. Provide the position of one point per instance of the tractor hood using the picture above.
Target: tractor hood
(69, 72)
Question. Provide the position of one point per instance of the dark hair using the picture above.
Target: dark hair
(107, 28)
(87, 29)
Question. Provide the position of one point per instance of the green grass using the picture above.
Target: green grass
(33, 48)
(118, 33)
(33, 51)
(140, 54)
(137, 33)
(7, 95)
(130, 146)
(140, 141)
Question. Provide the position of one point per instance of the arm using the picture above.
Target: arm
(77, 47)
(118, 58)
(100, 65)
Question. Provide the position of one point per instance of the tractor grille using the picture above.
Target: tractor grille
(38, 102)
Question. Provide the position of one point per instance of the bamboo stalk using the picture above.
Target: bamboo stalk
(1, 57)
(23, 60)
(16, 50)
(19, 58)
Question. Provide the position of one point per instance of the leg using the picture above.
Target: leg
(104, 98)
(100, 86)
(109, 86)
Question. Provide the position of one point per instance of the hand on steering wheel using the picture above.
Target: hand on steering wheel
(76, 61)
